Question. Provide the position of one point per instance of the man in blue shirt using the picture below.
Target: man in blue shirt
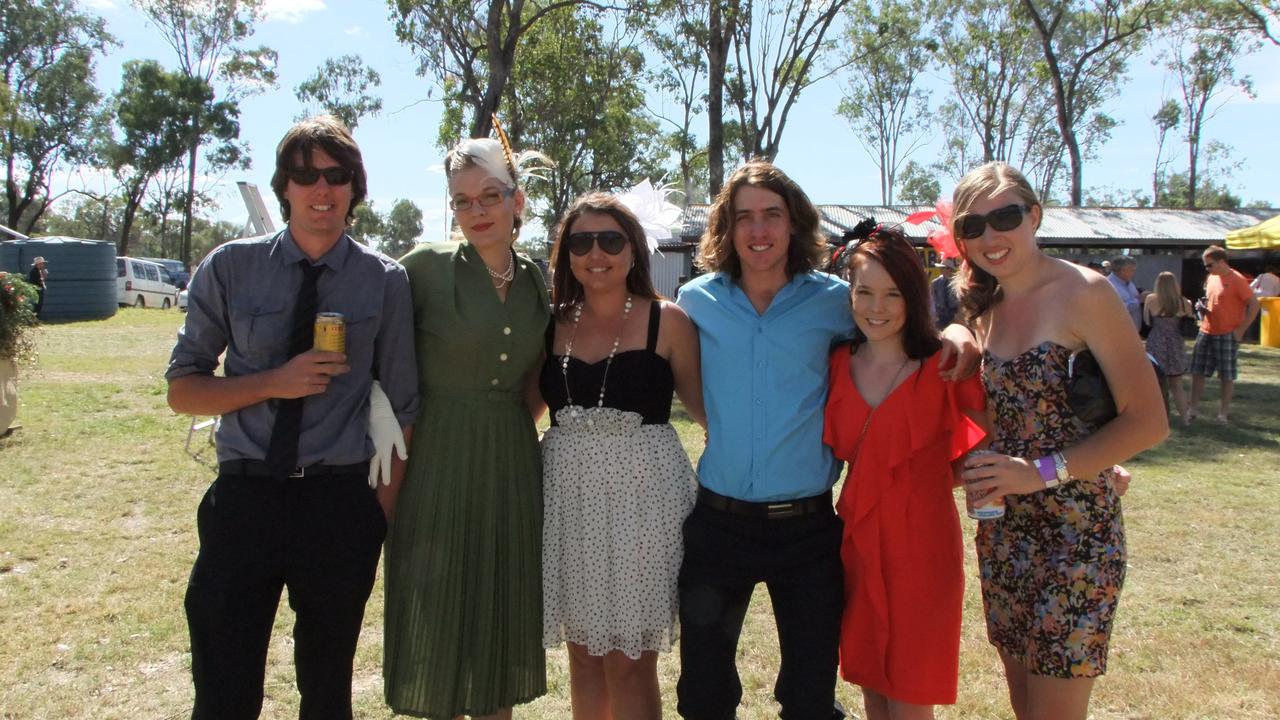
(1123, 268)
(291, 505)
(766, 322)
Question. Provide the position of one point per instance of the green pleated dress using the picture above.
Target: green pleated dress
(463, 554)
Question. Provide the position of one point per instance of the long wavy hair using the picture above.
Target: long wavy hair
(566, 291)
(1168, 295)
(805, 252)
(977, 289)
(890, 248)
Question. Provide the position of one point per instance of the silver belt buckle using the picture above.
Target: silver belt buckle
(777, 511)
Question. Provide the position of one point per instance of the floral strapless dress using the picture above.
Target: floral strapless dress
(1053, 566)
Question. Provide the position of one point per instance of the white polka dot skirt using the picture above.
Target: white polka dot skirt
(615, 495)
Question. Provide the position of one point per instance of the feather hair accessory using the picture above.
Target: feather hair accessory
(506, 148)
(940, 239)
(648, 202)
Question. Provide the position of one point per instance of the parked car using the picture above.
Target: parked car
(143, 283)
(177, 271)
(182, 299)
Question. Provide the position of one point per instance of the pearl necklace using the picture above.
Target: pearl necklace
(568, 350)
(506, 276)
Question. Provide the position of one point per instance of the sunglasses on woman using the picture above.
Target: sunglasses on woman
(336, 175)
(1002, 219)
(610, 241)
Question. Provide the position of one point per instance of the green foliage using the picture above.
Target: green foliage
(1176, 193)
(17, 318)
(340, 87)
(366, 227)
(920, 184)
(47, 50)
(401, 228)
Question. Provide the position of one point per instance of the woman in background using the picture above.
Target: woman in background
(1163, 311)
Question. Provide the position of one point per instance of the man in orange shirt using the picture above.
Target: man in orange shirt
(1227, 310)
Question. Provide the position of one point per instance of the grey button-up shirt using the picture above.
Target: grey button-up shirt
(241, 300)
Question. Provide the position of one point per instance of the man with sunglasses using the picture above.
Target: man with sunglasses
(1227, 310)
(291, 506)
(767, 321)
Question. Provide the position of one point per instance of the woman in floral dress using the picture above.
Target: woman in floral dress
(1053, 566)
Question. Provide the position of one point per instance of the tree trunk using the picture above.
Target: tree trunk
(716, 50)
(188, 204)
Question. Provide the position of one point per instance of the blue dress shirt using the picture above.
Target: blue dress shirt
(764, 382)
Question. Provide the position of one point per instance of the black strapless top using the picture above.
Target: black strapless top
(640, 381)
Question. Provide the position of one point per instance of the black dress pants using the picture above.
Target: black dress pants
(798, 560)
(321, 538)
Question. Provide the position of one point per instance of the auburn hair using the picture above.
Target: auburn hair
(890, 248)
(566, 291)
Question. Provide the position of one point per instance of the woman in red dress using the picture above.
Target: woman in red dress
(903, 432)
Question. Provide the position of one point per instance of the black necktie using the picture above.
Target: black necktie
(282, 453)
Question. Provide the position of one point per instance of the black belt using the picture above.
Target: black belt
(258, 468)
(776, 510)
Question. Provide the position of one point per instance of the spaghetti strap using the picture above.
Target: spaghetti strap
(655, 314)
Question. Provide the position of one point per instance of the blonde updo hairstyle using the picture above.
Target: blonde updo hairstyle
(976, 288)
(494, 159)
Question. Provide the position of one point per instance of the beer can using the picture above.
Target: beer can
(331, 332)
(991, 509)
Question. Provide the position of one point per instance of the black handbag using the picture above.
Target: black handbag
(1188, 327)
(1088, 393)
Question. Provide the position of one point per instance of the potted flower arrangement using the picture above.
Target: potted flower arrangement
(17, 339)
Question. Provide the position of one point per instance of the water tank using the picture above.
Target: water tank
(82, 275)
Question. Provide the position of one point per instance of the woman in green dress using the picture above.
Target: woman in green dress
(463, 553)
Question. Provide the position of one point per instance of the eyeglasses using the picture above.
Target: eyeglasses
(335, 176)
(1001, 219)
(610, 241)
(489, 199)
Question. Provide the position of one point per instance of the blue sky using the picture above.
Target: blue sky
(818, 148)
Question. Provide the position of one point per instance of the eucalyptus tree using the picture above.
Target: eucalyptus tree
(206, 37)
(340, 87)
(1167, 118)
(1086, 46)
(681, 77)
(51, 110)
(883, 98)
(1261, 17)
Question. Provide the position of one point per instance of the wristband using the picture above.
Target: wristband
(1048, 472)
(1060, 467)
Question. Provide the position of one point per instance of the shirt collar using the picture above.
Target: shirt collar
(286, 249)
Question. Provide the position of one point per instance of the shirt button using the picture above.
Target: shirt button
(759, 402)
(503, 357)
(493, 381)
(506, 331)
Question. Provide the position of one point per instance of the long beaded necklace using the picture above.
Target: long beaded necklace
(506, 276)
(568, 350)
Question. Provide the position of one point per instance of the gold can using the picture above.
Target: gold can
(331, 332)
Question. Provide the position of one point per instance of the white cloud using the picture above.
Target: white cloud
(290, 11)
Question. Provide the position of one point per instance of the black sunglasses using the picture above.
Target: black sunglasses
(610, 241)
(1000, 219)
(336, 175)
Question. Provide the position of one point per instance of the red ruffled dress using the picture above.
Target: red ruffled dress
(902, 550)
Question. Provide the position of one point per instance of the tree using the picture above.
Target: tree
(469, 46)
(680, 45)
(887, 109)
(1261, 17)
(775, 53)
(722, 26)
(1213, 191)
(1168, 117)
(150, 108)
(340, 87)
(366, 226)
(1087, 45)
(401, 228)
(205, 35)
(920, 185)
(1202, 58)
(576, 96)
(52, 112)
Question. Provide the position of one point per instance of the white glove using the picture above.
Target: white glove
(385, 431)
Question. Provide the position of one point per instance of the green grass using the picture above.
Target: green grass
(97, 535)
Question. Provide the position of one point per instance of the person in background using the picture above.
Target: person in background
(1163, 311)
(1227, 310)
(1267, 284)
(903, 431)
(290, 506)
(39, 271)
(942, 296)
(463, 562)
(617, 482)
(1123, 268)
(1053, 566)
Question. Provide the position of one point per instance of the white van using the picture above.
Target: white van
(142, 283)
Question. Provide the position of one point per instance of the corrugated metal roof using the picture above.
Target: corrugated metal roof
(1062, 226)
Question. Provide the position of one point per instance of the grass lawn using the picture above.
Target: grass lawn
(97, 535)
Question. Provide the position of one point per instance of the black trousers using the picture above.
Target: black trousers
(798, 560)
(321, 538)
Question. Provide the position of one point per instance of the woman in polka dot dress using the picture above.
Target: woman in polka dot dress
(617, 482)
